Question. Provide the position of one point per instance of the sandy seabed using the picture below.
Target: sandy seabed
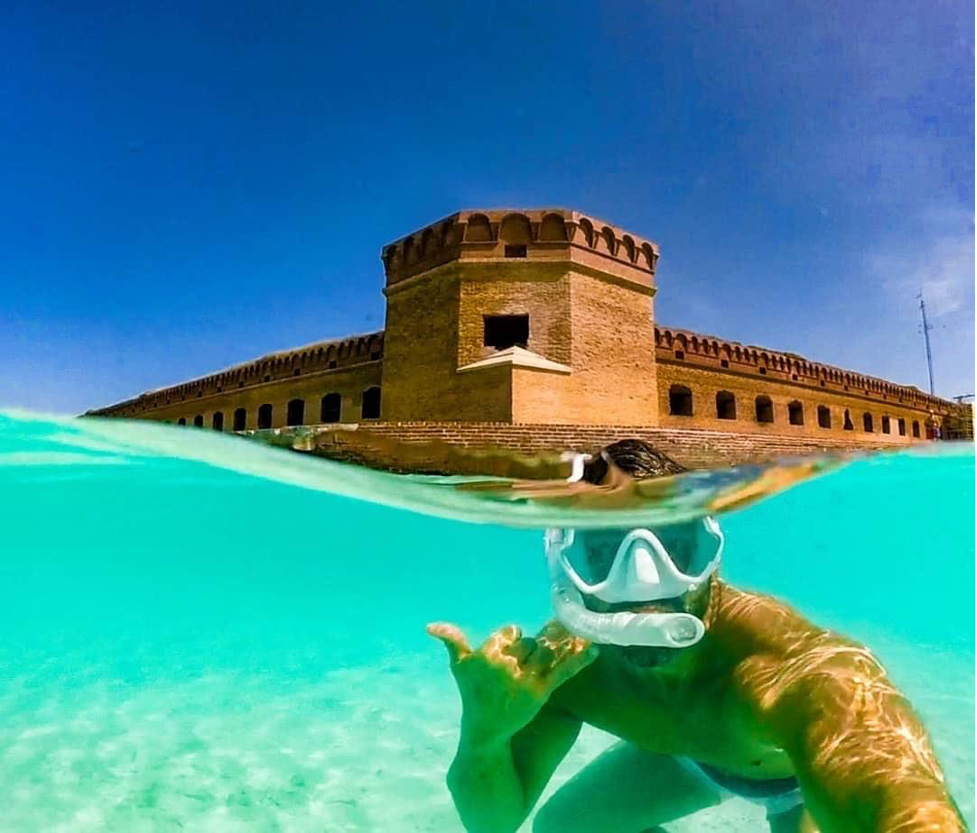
(362, 749)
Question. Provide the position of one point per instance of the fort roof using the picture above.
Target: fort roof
(484, 231)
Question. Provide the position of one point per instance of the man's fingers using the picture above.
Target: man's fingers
(540, 660)
(452, 637)
(521, 649)
(569, 663)
(501, 639)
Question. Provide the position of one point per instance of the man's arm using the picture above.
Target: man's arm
(511, 741)
(862, 756)
(496, 783)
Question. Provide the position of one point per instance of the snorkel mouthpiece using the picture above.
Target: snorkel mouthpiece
(648, 630)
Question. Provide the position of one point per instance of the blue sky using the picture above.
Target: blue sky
(185, 187)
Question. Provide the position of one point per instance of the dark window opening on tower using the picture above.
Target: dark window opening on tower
(515, 250)
(848, 426)
(916, 429)
(679, 354)
(217, 421)
(295, 414)
(240, 419)
(764, 409)
(679, 401)
(264, 416)
(181, 421)
(824, 416)
(902, 427)
(868, 424)
(371, 403)
(725, 405)
(198, 421)
(332, 406)
(504, 331)
(795, 413)
(886, 426)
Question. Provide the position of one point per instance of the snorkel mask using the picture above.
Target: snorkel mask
(632, 566)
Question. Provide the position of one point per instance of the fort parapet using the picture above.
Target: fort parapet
(536, 329)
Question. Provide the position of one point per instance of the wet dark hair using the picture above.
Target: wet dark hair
(637, 458)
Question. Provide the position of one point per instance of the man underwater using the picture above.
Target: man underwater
(713, 691)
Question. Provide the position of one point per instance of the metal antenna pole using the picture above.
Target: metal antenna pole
(926, 338)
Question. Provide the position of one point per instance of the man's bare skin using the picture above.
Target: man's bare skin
(764, 695)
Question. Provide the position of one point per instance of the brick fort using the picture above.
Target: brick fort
(535, 330)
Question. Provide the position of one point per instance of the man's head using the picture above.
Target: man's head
(635, 458)
(644, 571)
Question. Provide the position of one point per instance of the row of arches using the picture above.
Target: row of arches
(516, 229)
(311, 359)
(680, 403)
(682, 342)
(330, 410)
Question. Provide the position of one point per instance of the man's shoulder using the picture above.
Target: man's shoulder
(771, 626)
(763, 619)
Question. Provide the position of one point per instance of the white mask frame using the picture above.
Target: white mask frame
(642, 569)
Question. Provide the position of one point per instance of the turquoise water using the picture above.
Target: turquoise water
(202, 633)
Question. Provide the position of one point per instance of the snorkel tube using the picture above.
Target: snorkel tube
(650, 630)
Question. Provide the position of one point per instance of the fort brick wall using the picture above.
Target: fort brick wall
(347, 367)
(692, 448)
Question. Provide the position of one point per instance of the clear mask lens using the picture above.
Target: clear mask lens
(592, 553)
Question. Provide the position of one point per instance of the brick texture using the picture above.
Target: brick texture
(425, 447)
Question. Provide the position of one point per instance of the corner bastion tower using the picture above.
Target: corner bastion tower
(535, 330)
(520, 317)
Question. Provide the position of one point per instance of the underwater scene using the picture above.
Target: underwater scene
(202, 632)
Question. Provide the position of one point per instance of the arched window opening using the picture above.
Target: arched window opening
(849, 425)
(295, 415)
(764, 409)
(371, 403)
(916, 429)
(795, 413)
(240, 419)
(552, 228)
(886, 425)
(868, 424)
(331, 408)
(217, 421)
(479, 229)
(679, 400)
(181, 421)
(265, 413)
(198, 421)
(725, 405)
(902, 427)
(824, 416)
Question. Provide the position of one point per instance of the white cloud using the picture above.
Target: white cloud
(939, 262)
